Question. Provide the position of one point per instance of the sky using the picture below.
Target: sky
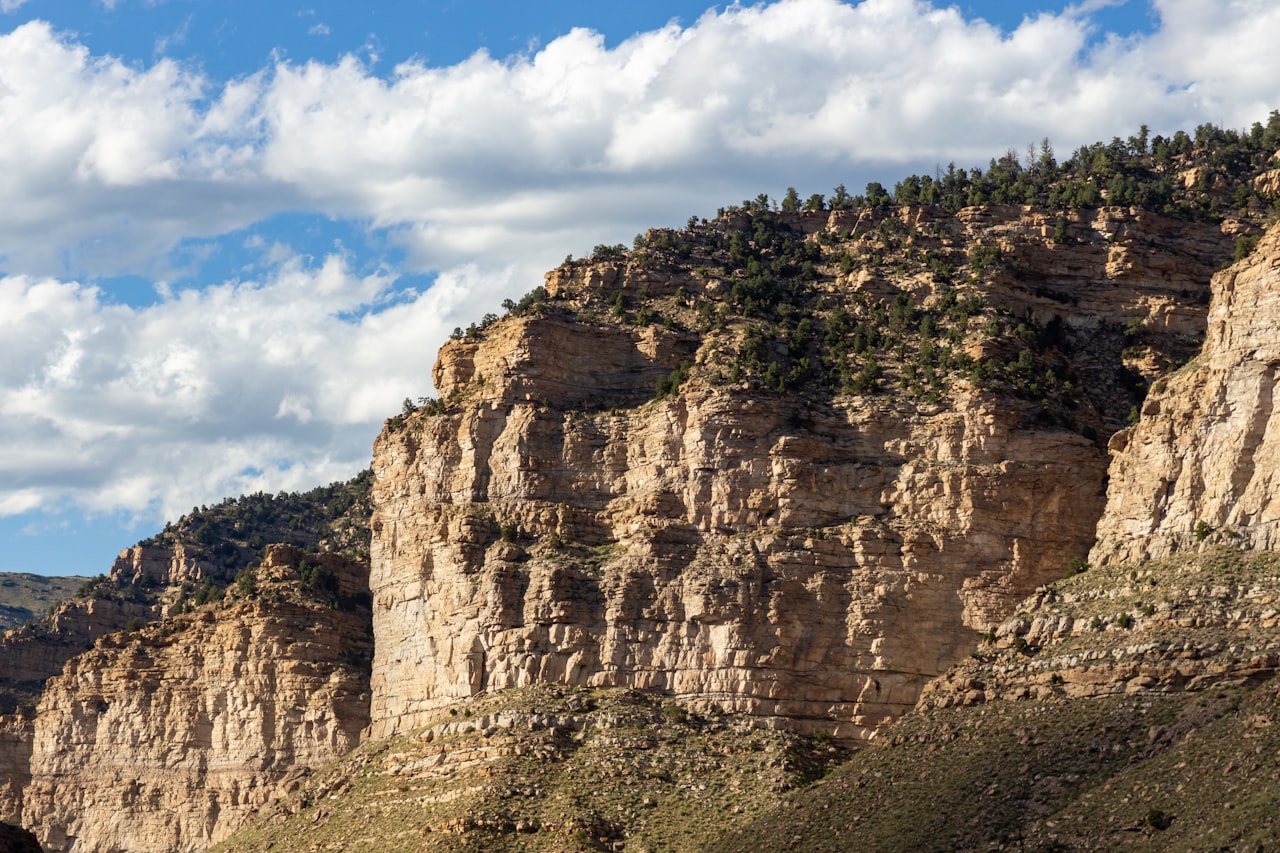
(233, 236)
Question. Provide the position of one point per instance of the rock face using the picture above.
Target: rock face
(819, 573)
(165, 739)
(132, 590)
(811, 561)
(16, 734)
(1201, 465)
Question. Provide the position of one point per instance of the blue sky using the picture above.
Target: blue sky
(235, 234)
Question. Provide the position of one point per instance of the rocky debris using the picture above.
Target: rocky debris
(545, 768)
(1187, 623)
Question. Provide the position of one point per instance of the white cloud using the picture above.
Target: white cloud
(488, 172)
(237, 387)
(7, 6)
(108, 166)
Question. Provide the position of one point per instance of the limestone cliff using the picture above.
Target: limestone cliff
(1134, 705)
(168, 737)
(1202, 464)
(769, 536)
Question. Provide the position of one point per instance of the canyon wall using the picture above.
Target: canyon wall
(168, 737)
(16, 734)
(812, 560)
(1203, 464)
(134, 589)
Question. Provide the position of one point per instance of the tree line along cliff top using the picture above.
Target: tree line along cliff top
(968, 279)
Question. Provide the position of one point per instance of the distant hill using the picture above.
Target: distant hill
(24, 596)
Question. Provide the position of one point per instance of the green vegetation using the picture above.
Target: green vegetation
(910, 306)
(231, 534)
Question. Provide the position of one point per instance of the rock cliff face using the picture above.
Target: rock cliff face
(16, 734)
(1202, 464)
(807, 558)
(1132, 706)
(166, 738)
(133, 590)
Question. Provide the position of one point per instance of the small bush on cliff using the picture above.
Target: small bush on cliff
(604, 252)
(670, 384)
(1244, 248)
(246, 583)
(316, 579)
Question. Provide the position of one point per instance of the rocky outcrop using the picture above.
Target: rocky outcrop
(166, 738)
(158, 565)
(36, 651)
(1200, 466)
(1183, 624)
(133, 590)
(713, 550)
(16, 734)
(806, 560)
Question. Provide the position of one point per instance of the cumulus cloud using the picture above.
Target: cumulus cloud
(239, 386)
(484, 173)
(109, 165)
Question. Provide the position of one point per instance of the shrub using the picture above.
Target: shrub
(675, 713)
(603, 251)
(1244, 248)
(247, 583)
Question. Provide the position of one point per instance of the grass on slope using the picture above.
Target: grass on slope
(1127, 708)
(1188, 772)
(24, 597)
(546, 769)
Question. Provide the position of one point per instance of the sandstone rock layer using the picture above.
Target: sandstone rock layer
(167, 738)
(1201, 465)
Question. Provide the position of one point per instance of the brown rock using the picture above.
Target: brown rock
(1200, 465)
(168, 738)
(819, 573)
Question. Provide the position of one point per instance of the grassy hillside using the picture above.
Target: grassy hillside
(24, 597)
(546, 769)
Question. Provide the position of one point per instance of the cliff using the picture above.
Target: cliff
(694, 518)
(24, 596)
(767, 534)
(168, 737)
(1201, 465)
(16, 735)
(189, 561)
(1134, 705)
